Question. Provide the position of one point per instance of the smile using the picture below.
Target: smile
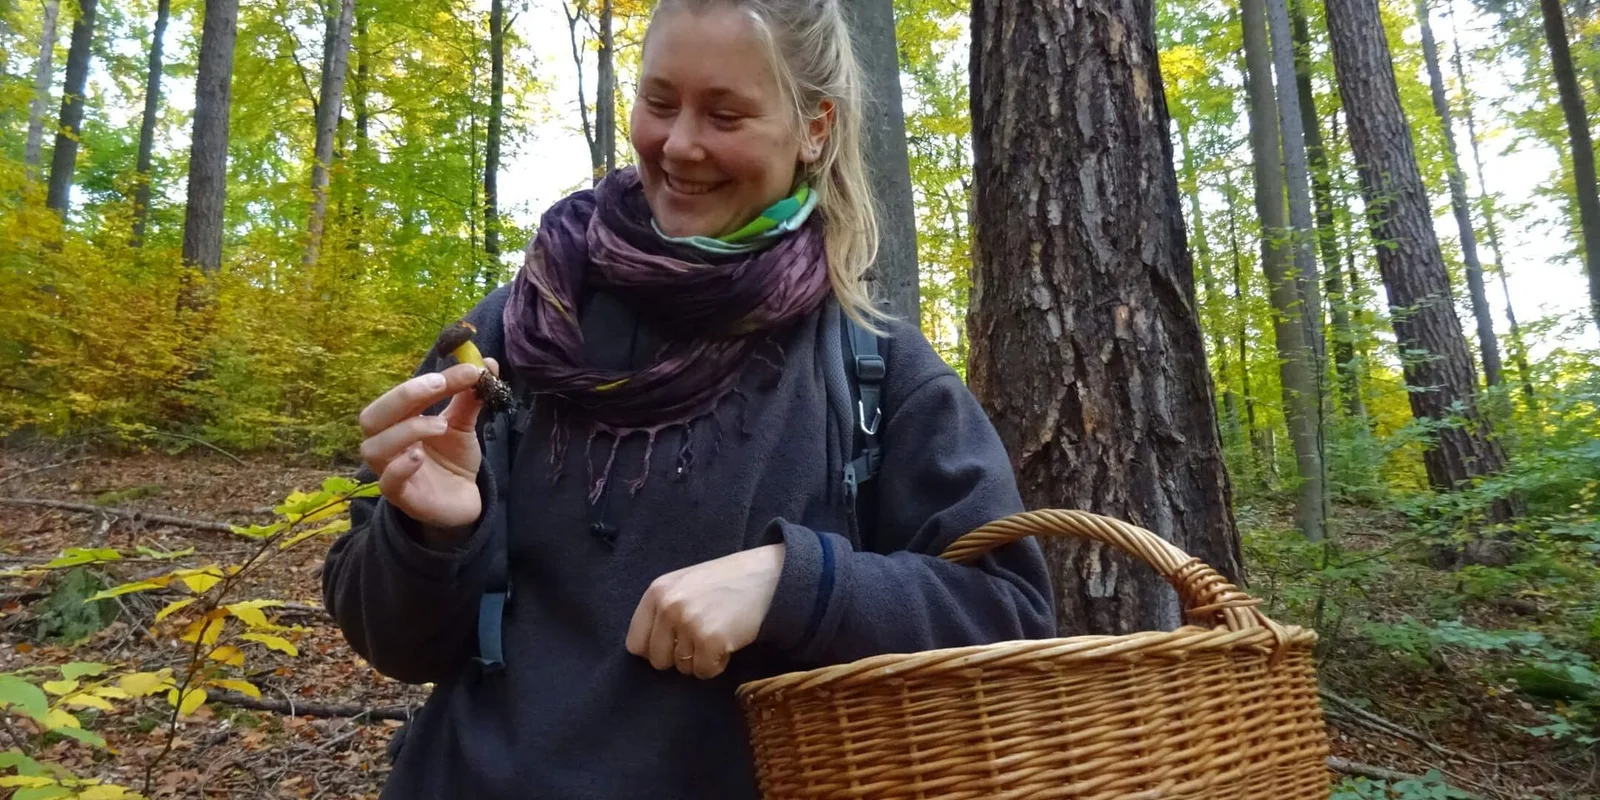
(686, 187)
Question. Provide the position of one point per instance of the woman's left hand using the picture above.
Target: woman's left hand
(692, 620)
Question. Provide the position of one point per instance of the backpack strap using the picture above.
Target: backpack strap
(501, 436)
(865, 369)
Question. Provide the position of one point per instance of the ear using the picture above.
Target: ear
(818, 128)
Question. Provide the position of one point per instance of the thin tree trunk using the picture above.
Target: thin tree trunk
(64, 160)
(1572, 107)
(208, 151)
(1261, 444)
(491, 159)
(1488, 345)
(1081, 272)
(888, 162)
(1297, 358)
(335, 62)
(147, 127)
(1219, 344)
(1491, 233)
(605, 93)
(575, 14)
(43, 74)
(1326, 212)
(1438, 368)
(1296, 173)
(358, 100)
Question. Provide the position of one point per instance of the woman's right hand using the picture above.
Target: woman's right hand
(427, 466)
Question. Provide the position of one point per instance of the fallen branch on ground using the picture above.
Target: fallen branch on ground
(128, 513)
(1363, 716)
(44, 468)
(326, 710)
(1346, 767)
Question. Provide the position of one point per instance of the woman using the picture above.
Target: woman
(672, 519)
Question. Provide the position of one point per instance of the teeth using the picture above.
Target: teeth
(689, 187)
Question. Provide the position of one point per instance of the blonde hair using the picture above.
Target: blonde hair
(809, 45)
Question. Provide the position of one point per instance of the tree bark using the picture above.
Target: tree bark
(1491, 233)
(147, 126)
(1433, 350)
(43, 74)
(65, 158)
(888, 162)
(1296, 354)
(1583, 175)
(1488, 345)
(1326, 213)
(1086, 350)
(1297, 178)
(208, 151)
(605, 91)
(358, 101)
(1260, 442)
(330, 104)
(491, 158)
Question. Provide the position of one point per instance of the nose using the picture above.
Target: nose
(683, 139)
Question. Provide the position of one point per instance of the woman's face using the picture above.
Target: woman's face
(716, 139)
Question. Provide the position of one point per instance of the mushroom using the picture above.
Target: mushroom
(456, 341)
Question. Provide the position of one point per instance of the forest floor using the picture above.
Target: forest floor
(1443, 717)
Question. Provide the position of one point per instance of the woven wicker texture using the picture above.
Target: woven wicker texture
(1224, 707)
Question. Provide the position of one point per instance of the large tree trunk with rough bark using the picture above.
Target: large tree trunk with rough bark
(1086, 349)
(888, 162)
(208, 150)
(1297, 370)
(147, 126)
(43, 74)
(1488, 345)
(330, 103)
(64, 161)
(1437, 365)
(1577, 115)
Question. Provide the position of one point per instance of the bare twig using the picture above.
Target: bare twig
(85, 508)
(325, 710)
(201, 442)
(44, 468)
(1346, 767)
(1370, 719)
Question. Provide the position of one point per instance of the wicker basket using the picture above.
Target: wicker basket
(1225, 707)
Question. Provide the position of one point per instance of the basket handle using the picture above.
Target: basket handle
(1207, 598)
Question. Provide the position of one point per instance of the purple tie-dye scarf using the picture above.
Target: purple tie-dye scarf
(712, 312)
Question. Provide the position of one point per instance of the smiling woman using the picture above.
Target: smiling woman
(684, 321)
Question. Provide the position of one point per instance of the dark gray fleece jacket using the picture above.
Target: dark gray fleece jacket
(573, 714)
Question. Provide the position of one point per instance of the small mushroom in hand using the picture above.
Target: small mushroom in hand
(456, 341)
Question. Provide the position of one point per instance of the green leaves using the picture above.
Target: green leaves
(28, 698)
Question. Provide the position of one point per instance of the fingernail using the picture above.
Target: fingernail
(433, 382)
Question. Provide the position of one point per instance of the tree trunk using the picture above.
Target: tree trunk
(358, 100)
(888, 162)
(1261, 443)
(1572, 106)
(1081, 274)
(335, 62)
(1296, 355)
(1488, 345)
(1327, 233)
(208, 151)
(43, 74)
(1438, 369)
(1219, 343)
(491, 158)
(1296, 175)
(605, 93)
(147, 127)
(65, 158)
(575, 14)
(1491, 233)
